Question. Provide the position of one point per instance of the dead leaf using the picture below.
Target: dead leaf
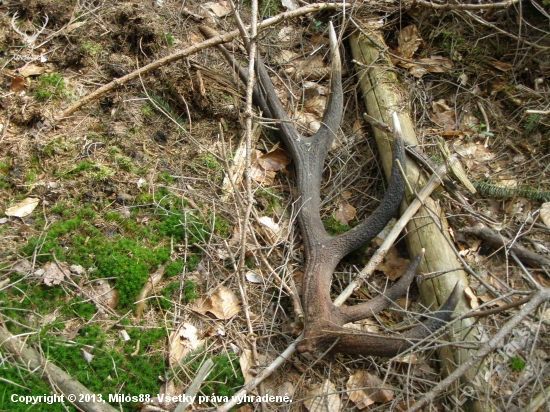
(17, 85)
(254, 277)
(88, 357)
(246, 362)
(275, 160)
(102, 292)
(312, 89)
(433, 64)
(284, 57)
(23, 208)
(443, 115)
(410, 358)
(468, 123)
(365, 389)
(168, 398)
(73, 26)
(545, 213)
(71, 328)
(502, 66)
(474, 156)
(54, 273)
(409, 40)
(286, 34)
(182, 342)
(393, 266)
(22, 266)
(316, 105)
(308, 121)
(220, 8)
(257, 172)
(365, 325)
(270, 224)
(290, 4)
(323, 398)
(245, 408)
(345, 213)
(497, 303)
(223, 304)
(472, 298)
(31, 70)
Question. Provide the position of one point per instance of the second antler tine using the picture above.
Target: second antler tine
(369, 228)
(381, 302)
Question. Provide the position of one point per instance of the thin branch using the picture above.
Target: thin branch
(446, 7)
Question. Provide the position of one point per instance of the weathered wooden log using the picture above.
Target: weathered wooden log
(428, 230)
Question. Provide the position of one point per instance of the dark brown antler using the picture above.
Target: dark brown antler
(324, 321)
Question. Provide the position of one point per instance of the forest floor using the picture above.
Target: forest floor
(121, 239)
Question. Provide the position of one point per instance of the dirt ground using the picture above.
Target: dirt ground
(121, 236)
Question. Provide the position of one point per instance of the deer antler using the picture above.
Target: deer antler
(29, 40)
(323, 326)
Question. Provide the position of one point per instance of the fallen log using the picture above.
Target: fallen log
(383, 95)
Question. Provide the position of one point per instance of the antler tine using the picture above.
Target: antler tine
(15, 15)
(333, 113)
(369, 228)
(381, 302)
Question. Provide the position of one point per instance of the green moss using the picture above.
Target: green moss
(147, 110)
(18, 381)
(190, 293)
(210, 162)
(174, 269)
(92, 171)
(125, 163)
(168, 39)
(269, 8)
(181, 225)
(90, 48)
(85, 310)
(50, 86)
(113, 217)
(516, 364)
(5, 167)
(128, 256)
(111, 369)
(166, 178)
(57, 146)
(271, 201)
(335, 227)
